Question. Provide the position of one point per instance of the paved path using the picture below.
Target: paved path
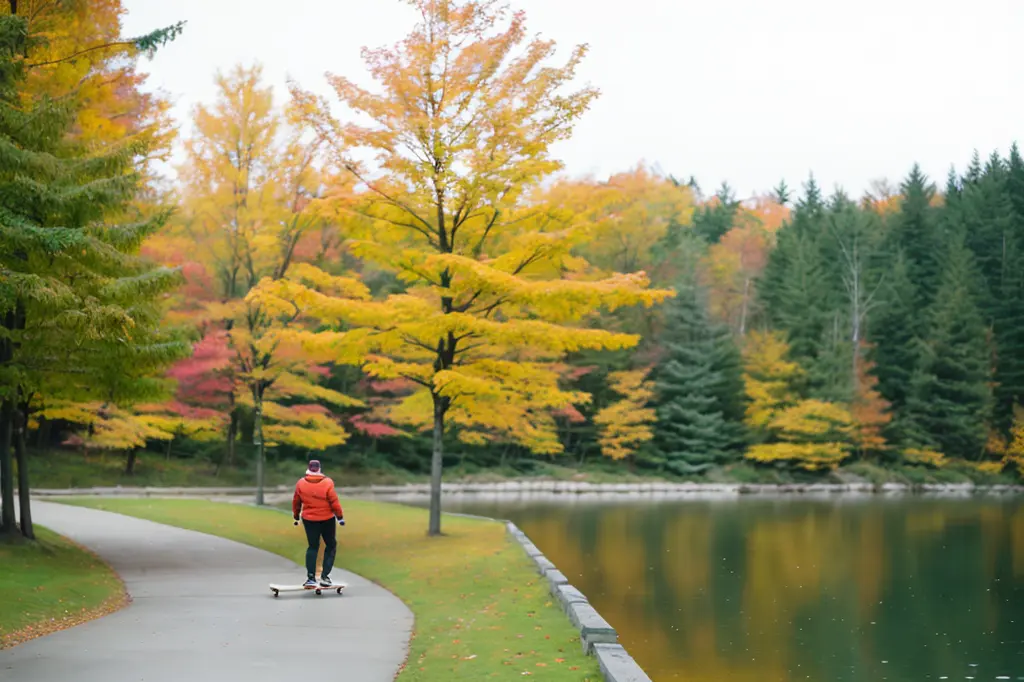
(202, 611)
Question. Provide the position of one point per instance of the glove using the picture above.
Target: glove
(341, 522)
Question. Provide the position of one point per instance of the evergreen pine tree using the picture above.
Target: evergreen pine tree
(67, 278)
(781, 193)
(910, 278)
(987, 219)
(796, 276)
(916, 234)
(1010, 330)
(891, 328)
(950, 398)
(699, 388)
(715, 218)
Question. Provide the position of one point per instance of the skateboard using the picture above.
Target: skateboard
(278, 589)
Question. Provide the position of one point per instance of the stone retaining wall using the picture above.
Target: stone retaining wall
(597, 637)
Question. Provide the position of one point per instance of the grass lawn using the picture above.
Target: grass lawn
(35, 595)
(482, 612)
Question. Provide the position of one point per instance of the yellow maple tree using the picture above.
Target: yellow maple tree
(626, 423)
(769, 377)
(249, 185)
(1015, 448)
(628, 214)
(455, 142)
(811, 434)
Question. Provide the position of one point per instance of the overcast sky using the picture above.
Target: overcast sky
(747, 91)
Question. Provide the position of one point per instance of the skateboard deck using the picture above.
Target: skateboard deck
(278, 589)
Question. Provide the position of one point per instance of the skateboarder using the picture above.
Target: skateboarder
(318, 503)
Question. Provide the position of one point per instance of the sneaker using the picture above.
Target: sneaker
(310, 582)
(325, 581)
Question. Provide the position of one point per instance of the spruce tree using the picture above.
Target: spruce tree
(910, 272)
(950, 398)
(916, 233)
(891, 329)
(69, 271)
(714, 219)
(796, 276)
(1010, 329)
(699, 388)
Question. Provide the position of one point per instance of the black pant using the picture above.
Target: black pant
(314, 531)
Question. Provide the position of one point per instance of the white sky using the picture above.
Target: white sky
(748, 91)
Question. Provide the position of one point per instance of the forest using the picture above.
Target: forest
(422, 287)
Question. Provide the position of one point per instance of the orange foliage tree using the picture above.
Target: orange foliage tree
(869, 410)
(733, 264)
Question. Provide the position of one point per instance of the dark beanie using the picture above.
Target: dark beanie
(314, 465)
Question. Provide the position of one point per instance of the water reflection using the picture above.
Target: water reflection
(779, 591)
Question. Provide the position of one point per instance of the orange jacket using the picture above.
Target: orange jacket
(316, 499)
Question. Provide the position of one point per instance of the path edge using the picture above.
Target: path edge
(118, 601)
(253, 505)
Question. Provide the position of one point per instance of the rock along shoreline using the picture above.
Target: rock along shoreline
(597, 637)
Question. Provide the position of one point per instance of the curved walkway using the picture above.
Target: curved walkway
(201, 611)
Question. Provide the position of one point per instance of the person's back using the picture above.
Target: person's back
(316, 501)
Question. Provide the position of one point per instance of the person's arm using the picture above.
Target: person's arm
(332, 497)
(296, 503)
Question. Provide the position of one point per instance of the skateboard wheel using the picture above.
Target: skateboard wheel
(339, 590)
(276, 593)
(319, 591)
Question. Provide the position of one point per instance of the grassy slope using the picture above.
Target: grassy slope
(482, 612)
(35, 595)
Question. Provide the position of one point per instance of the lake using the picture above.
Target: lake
(856, 589)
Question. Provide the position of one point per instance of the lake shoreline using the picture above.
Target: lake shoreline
(574, 489)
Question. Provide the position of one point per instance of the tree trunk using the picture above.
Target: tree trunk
(6, 469)
(227, 458)
(743, 308)
(43, 433)
(232, 438)
(170, 442)
(436, 462)
(129, 467)
(257, 439)
(24, 501)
